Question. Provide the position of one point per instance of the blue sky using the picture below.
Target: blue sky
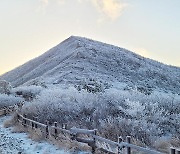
(148, 27)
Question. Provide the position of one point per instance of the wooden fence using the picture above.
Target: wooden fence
(89, 137)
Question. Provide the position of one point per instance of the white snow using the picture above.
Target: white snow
(12, 143)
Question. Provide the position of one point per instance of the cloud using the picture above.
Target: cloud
(108, 9)
(111, 9)
(44, 3)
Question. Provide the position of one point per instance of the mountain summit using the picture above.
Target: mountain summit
(77, 59)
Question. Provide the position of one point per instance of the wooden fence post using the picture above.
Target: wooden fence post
(18, 117)
(94, 144)
(64, 126)
(178, 151)
(7, 110)
(4, 112)
(47, 129)
(119, 141)
(33, 123)
(128, 140)
(55, 130)
(24, 120)
(35, 119)
(172, 150)
(20, 106)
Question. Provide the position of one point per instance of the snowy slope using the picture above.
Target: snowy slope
(12, 143)
(77, 59)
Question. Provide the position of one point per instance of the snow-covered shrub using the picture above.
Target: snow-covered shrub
(36, 82)
(8, 100)
(93, 86)
(145, 90)
(114, 112)
(5, 87)
(57, 102)
(27, 92)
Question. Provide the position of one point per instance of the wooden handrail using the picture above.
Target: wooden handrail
(82, 131)
(35, 122)
(76, 131)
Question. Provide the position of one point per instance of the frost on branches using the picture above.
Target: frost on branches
(5, 87)
(113, 112)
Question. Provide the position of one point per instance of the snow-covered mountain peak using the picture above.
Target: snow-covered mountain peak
(78, 59)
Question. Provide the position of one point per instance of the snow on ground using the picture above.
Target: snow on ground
(12, 143)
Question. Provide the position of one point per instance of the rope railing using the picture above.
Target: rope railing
(90, 137)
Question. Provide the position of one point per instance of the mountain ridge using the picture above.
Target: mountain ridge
(78, 58)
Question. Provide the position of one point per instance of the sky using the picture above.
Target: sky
(148, 27)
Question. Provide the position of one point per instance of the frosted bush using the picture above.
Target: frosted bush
(114, 112)
(134, 108)
(8, 100)
(25, 89)
(27, 92)
(5, 87)
(93, 86)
